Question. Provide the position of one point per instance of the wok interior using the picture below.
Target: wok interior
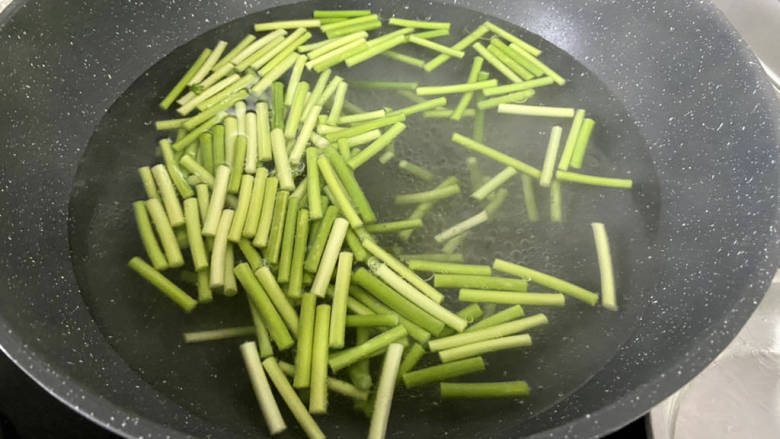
(209, 379)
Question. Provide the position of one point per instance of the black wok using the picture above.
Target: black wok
(681, 104)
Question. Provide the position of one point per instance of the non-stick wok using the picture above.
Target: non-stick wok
(682, 108)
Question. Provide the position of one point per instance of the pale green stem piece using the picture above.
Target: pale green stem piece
(264, 152)
(418, 323)
(455, 88)
(518, 96)
(304, 135)
(511, 298)
(582, 143)
(295, 284)
(536, 110)
(303, 351)
(237, 169)
(316, 93)
(218, 334)
(334, 43)
(339, 309)
(493, 183)
(394, 226)
(341, 199)
(152, 247)
(441, 280)
(556, 205)
(571, 140)
(266, 213)
(495, 155)
(546, 280)
(465, 42)
(443, 372)
(377, 145)
(217, 200)
(512, 39)
(540, 65)
(519, 86)
(287, 240)
(277, 297)
(226, 60)
(362, 117)
(405, 272)
(414, 295)
(242, 208)
(286, 391)
(512, 313)
(608, 295)
(296, 110)
(412, 357)
(375, 50)
(494, 61)
(318, 386)
(406, 59)
(148, 181)
(330, 27)
(287, 24)
(505, 389)
(265, 398)
(437, 257)
(168, 195)
(416, 170)
(195, 239)
(572, 177)
(281, 161)
(165, 232)
(313, 191)
(372, 320)
(329, 257)
(162, 283)
(431, 34)
(342, 359)
(275, 73)
(255, 203)
(529, 198)
(428, 44)
(273, 321)
(462, 227)
(360, 371)
(449, 267)
(484, 347)
(384, 392)
(182, 84)
(550, 156)
(294, 80)
(202, 194)
(333, 57)
(390, 119)
(320, 232)
(500, 330)
(217, 265)
(421, 107)
(338, 103)
(250, 164)
(274, 245)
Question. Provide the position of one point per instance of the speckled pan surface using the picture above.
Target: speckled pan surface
(708, 116)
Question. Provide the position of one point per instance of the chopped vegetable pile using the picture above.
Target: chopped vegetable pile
(258, 183)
